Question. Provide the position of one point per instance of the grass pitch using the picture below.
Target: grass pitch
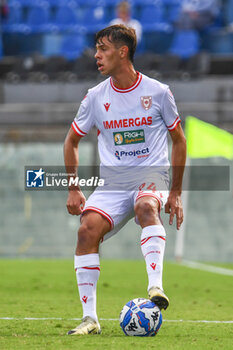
(47, 289)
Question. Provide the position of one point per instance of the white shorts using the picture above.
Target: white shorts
(118, 206)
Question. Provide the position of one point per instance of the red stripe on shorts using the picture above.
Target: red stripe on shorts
(150, 195)
(100, 211)
(162, 237)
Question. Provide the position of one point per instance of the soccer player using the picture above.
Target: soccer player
(133, 114)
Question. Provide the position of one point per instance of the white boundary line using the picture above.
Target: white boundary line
(101, 319)
(206, 267)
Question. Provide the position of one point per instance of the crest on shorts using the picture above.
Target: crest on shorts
(146, 102)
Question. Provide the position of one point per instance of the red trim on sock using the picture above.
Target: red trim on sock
(143, 241)
(91, 268)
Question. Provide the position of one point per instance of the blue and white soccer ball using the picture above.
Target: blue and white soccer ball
(140, 317)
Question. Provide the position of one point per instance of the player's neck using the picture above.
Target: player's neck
(125, 78)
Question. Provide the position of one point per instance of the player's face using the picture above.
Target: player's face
(107, 57)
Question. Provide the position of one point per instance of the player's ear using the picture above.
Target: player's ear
(124, 51)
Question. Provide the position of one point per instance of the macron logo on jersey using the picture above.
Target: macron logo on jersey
(107, 105)
(139, 153)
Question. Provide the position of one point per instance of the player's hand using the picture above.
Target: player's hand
(174, 207)
(75, 202)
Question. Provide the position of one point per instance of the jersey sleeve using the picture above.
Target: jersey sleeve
(169, 111)
(84, 119)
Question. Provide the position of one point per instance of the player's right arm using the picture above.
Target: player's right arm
(76, 199)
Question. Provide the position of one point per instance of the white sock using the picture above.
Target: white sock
(153, 246)
(87, 269)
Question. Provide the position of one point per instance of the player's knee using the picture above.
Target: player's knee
(88, 235)
(146, 207)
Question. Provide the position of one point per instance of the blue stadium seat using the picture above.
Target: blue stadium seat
(157, 42)
(228, 12)
(55, 2)
(185, 44)
(145, 2)
(21, 2)
(14, 21)
(94, 18)
(72, 46)
(172, 2)
(38, 19)
(1, 50)
(30, 3)
(58, 3)
(218, 42)
(173, 10)
(66, 19)
(94, 3)
(152, 18)
(152, 13)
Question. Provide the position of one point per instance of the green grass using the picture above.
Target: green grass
(47, 288)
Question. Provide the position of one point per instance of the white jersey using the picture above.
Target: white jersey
(132, 123)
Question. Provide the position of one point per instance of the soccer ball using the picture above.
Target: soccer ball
(140, 317)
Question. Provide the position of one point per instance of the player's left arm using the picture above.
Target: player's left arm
(178, 159)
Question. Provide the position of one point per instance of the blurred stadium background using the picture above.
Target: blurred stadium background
(46, 67)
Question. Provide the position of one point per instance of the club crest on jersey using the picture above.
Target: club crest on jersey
(107, 105)
(146, 102)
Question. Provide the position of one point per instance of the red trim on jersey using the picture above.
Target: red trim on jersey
(174, 125)
(77, 129)
(170, 126)
(131, 88)
(98, 132)
(150, 195)
(82, 132)
(73, 127)
(179, 121)
(91, 268)
(100, 211)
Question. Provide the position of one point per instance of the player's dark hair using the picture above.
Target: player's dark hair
(120, 35)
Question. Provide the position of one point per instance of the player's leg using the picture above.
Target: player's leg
(93, 228)
(87, 266)
(153, 240)
(103, 215)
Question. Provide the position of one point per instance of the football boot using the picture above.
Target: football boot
(158, 297)
(88, 326)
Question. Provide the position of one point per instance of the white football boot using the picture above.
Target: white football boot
(158, 297)
(88, 326)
